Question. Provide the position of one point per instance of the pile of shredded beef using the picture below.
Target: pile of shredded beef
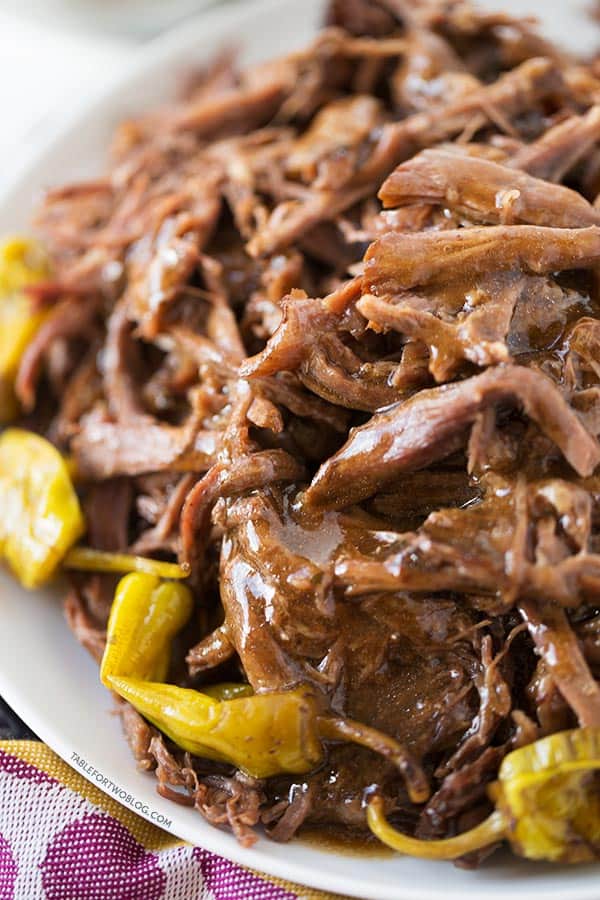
(329, 330)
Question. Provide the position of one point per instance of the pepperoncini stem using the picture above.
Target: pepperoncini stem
(145, 616)
(488, 832)
(88, 560)
(337, 729)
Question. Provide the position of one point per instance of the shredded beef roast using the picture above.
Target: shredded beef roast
(328, 330)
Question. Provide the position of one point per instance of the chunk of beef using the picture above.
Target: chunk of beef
(398, 262)
(139, 736)
(512, 92)
(140, 448)
(432, 425)
(477, 332)
(485, 191)
(560, 148)
(557, 644)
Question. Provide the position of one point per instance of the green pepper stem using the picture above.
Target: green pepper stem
(490, 830)
(335, 729)
(89, 560)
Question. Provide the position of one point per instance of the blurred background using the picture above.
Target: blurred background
(54, 52)
(136, 19)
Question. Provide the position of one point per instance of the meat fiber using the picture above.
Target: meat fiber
(434, 424)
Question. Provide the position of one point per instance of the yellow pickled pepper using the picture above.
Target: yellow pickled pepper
(262, 734)
(549, 795)
(22, 262)
(547, 799)
(145, 616)
(41, 518)
(40, 515)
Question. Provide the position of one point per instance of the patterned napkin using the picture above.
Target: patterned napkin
(61, 838)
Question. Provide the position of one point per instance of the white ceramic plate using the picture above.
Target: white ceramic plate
(134, 18)
(52, 682)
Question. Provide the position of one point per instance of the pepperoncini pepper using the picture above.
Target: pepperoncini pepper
(547, 800)
(145, 615)
(265, 734)
(40, 513)
(22, 262)
(41, 517)
(262, 734)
